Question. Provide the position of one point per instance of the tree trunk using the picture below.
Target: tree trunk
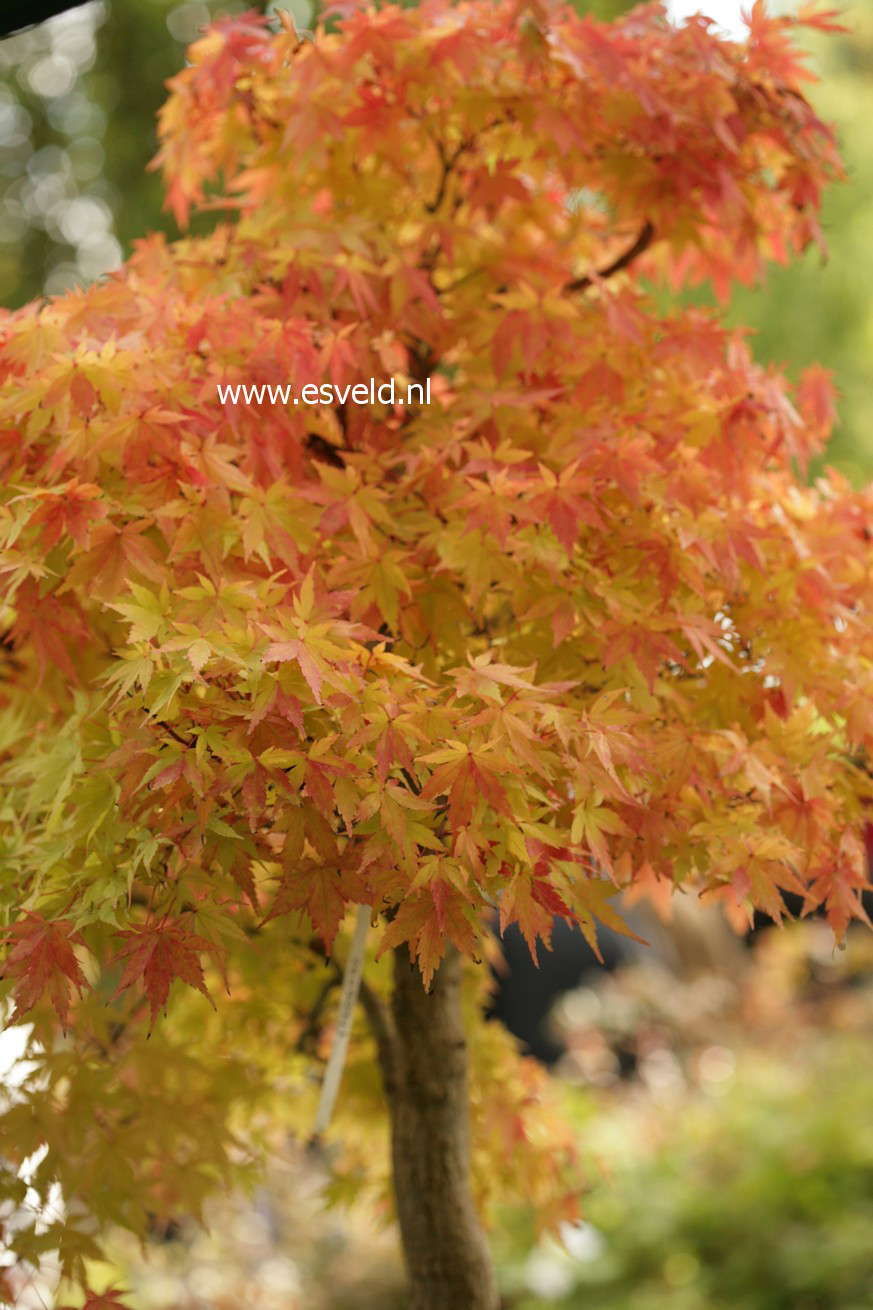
(423, 1055)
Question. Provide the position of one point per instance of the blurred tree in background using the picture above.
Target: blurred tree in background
(79, 96)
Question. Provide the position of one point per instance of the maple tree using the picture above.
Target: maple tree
(578, 625)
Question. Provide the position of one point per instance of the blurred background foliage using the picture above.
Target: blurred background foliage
(78, 100)
(823, 311)
(733, 1169)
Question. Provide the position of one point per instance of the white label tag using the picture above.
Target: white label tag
(348, 999)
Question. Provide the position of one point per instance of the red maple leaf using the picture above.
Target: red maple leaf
(545, 895)
(42, 956)
(108, 1300)
(158, 954)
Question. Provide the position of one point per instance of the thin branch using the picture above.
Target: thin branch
(448, 162)
(311, 1026)
(183, 741)
(642, 243)
(319, 449)
(422, 364)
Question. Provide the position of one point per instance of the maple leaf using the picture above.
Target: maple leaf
(41, 957)
(454, 914)
(566, 503)
(464, 777)
(520, 904)
(839, 885)
(392, 746)
(108, 1300)
(591, 822)
(591, 897)
(158, 953)
(318, 891)
(295, 649)
(413, 915)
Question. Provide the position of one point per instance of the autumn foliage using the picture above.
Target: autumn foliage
(580, 623)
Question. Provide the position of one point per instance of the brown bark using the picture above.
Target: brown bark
(423, 1055)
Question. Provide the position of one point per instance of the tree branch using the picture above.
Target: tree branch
(311, 1026)
(448, 162)
(320, 449)
(642, 243)
(37, 11)
(183, 741)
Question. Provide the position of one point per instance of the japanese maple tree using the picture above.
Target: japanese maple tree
(578, 624)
